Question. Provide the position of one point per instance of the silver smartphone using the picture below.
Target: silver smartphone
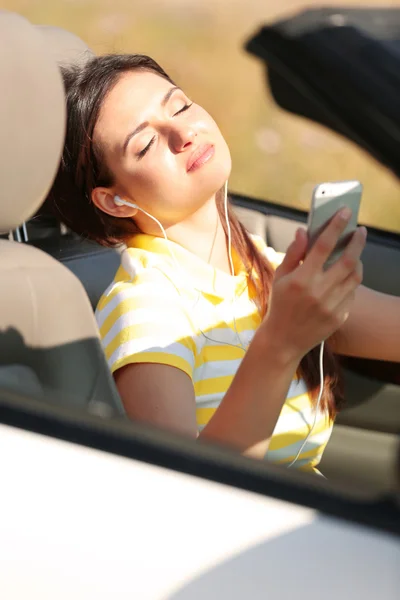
(327, 199)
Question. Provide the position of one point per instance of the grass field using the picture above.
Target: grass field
(199, 42)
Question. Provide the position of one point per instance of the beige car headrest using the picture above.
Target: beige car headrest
(32, 120)
(67, 48)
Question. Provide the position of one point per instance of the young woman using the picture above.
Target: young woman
(208, 332)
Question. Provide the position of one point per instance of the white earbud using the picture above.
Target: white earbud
(119, 202)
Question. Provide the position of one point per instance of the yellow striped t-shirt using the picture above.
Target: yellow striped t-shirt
(189, 315)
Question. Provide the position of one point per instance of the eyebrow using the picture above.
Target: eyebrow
(143, 125)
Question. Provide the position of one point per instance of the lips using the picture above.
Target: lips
(200, 156)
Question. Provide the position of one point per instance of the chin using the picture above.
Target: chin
(212, 177)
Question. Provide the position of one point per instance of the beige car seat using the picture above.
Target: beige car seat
(94, 265)
(65, 47)
(49, 345)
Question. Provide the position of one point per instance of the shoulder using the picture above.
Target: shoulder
(140, 279)
(142, 310)
(141, 290)
(274, 257)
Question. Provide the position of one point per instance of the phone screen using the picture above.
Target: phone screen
(327, 199)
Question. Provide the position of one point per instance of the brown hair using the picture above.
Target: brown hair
(83, 168)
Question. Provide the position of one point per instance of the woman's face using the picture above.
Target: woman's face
(166, 153)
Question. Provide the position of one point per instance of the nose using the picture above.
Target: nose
(182, 137)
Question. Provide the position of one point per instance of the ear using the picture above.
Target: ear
(103, 198)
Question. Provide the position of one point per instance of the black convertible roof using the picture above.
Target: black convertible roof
(341, 68)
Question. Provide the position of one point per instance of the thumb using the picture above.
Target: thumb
(295, 253)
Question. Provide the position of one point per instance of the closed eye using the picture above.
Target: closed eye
(153, 139)
(183, 109)
(146, 149)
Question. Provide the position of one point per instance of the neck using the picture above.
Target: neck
(203, 235)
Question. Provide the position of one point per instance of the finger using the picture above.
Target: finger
(349, 260)
(343, 310)
(326, 242)
(339, 293)
(294, 254)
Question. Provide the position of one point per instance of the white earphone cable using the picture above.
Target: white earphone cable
(228, 226)
(321, 390)
(119, 201)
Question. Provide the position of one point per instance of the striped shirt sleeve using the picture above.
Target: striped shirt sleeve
(143, 321)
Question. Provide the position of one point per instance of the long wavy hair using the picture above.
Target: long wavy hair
(83, 168)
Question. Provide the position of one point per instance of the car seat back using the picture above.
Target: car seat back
(49, 345)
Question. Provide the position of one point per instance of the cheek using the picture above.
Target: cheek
(162, 170)
(211, 127)
(205, 123)
(219, 139)
(154, 177)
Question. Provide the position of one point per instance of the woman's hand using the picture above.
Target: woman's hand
(308, 304)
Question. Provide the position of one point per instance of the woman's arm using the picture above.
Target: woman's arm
(164, 396)
(248, 413)
(372, 329)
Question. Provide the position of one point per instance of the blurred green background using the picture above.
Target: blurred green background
(199, 43)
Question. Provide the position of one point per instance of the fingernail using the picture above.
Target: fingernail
(364, 231)
(345, 213)
(300, 232)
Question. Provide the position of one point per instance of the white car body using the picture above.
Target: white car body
(81, 523)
